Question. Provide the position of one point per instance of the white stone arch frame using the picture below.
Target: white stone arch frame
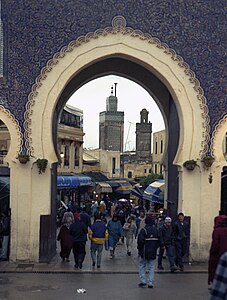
(141, 48)
(217, 138)
(15, 134)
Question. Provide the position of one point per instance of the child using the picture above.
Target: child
(129, 231)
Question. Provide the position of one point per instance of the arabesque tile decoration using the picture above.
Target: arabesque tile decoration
(34, 31)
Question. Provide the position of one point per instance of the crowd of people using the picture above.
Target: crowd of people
(153, 234)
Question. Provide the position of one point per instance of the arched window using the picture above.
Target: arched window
(66, 156)
(77, 157)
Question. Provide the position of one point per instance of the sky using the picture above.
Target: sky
(132, 98)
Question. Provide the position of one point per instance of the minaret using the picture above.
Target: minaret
(143, 137)
(111, 124)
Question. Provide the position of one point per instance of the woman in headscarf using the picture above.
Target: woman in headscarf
(64, 236)
(115, 232)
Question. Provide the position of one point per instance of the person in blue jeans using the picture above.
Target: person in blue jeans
(147, 245)
(167, 242)
(98, 234)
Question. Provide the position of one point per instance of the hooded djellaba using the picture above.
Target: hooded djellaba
(218, 245)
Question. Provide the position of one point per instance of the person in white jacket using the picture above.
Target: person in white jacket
(129, 230)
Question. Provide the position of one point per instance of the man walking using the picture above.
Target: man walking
(147, 244)
(97, 234)
(85, 218)
(78, 231)
(181, 234)
(167, 242)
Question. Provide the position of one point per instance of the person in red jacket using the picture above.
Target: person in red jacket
(218, 245)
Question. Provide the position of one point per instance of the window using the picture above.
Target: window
(113, 165)
(155, 168)
(160, 169)
(156, 147)
(76, 158)
(129, 174)
(161, 146)
(145, 171)
(66, 157)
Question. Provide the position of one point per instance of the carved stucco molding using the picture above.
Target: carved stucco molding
(215, 134)
(13, 120)
(118, 26)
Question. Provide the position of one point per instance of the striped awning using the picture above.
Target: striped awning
(103, 187)
(124, 188)
(73, 181)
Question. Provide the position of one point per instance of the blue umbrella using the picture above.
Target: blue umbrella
(137, 192)
(154, 192)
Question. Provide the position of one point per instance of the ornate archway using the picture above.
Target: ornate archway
(161, 61)
(15, 133)
(135, 46)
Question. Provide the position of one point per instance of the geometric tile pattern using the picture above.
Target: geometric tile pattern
(33, 33)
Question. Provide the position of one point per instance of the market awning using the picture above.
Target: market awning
(137, 192)
(124, 188)
(73, 181)
(103, 187)
(155, 192)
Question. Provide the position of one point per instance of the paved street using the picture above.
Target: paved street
(117, 279)
(14, 286)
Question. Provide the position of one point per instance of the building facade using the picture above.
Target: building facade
(70, 140)
(111, 125)
(159, 143)
(105, 161)
(137, 170)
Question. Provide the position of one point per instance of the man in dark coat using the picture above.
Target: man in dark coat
(167, 242)
(84, 217)
(78, 231)
(181, 232)
(147, 245)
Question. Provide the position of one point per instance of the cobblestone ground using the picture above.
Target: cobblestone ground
(36, 286)
(116, 279)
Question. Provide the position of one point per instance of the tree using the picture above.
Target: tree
(146, 180)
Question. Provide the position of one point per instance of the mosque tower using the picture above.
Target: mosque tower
(111, 125)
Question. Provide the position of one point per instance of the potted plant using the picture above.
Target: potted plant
(190, 164)
(23, 158)
(41, 164)
(208, 161)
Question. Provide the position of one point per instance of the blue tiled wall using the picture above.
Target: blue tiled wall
(35, 30)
